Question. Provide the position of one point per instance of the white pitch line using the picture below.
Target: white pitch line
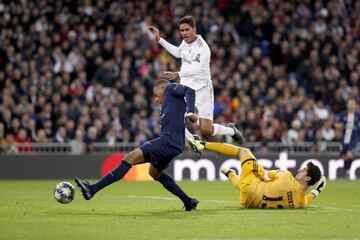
(172, 199)
(151, 197)
(337, 209)
(221, 201)
(206, 200)
(232, 202)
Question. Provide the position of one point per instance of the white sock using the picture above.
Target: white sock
(222, 130)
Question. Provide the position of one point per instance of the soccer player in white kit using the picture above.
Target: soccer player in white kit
(195, 73)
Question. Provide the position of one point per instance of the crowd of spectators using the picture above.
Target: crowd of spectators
(82, 71)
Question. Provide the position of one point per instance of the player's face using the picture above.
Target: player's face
(187, 32)
(351, 105)
(159, 94)
(301, 175)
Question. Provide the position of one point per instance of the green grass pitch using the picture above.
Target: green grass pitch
(144, 210)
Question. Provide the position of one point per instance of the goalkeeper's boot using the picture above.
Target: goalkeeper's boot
(196, 146)
(192, 204)
(84, 187)
(226, 171)
(238, 137)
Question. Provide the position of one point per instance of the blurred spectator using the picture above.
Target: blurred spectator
(60, 136)
(8, 144)
(25, 141)
(41, 137)
(91, 137)
(2, 131)
(294, 134)
(77, 144)
(328, 132)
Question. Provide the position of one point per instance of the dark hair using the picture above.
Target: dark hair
(187, 19)
(313, 172)
(161, 82)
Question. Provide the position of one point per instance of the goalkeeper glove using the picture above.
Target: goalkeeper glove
(319, 187)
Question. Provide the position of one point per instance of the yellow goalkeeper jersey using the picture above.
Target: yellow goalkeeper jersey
(284, 191)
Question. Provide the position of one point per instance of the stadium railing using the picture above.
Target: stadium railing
(106, 148)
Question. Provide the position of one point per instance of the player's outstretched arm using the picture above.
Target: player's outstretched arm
(173, 50)
(319, 187)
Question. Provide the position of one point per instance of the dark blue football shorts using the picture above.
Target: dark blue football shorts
(159, 152)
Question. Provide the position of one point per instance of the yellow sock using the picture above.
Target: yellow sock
(223, 148)
(234, 179)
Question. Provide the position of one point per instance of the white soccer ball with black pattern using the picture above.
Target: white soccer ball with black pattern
(64, 192)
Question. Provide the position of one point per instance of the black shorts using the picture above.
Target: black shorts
(159, 152)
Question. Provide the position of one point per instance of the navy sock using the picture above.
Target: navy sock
(114, 175)
(169, 183)
(347, 164)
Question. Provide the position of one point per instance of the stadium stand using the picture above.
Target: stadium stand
(80, 73)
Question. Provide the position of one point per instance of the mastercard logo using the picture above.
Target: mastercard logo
(137, 173)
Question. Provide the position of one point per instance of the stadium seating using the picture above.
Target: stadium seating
(82, 74)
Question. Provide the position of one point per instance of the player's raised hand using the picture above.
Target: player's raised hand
(320, 186)
(171, 76)
(155, 32)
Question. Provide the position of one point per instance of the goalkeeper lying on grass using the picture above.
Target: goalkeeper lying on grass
(267, 189)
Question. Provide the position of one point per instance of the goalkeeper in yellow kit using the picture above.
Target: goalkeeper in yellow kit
(267, 189)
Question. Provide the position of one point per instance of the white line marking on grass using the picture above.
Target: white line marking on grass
(221, 201)
(337, 209)
(151, 197)
(203, 200)
(232, 202)
(171, 199)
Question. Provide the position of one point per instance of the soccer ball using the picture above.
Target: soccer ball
(64, 192)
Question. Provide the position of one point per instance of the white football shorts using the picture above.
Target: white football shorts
(204, 102)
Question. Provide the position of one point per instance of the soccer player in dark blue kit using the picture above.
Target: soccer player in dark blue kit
(349, 121)
(177, 105)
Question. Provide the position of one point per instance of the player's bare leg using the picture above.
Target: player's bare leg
(206, 127)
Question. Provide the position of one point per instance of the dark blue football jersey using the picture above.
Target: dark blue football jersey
(178, 100)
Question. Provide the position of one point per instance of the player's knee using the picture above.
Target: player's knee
(245, 151)
(154, 174)
(349, 154)
(130, 157)
(206, 131)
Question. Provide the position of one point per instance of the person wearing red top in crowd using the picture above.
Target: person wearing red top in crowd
(25, 141)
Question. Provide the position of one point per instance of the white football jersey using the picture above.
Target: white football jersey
(195, 62)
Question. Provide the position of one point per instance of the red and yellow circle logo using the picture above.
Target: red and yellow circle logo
(137, 173)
